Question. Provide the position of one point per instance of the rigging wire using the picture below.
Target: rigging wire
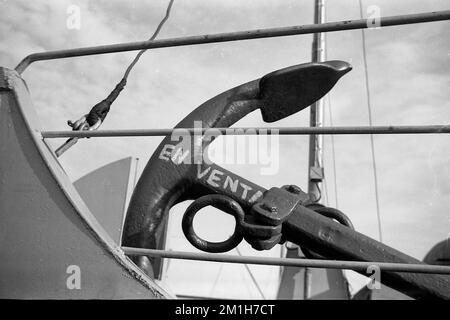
(325, 188)
(216, 280)
(372, 146)
(333, 155)
(252, 276)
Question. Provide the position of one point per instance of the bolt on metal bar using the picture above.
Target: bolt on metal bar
(330, 264)
(235, 36)
(428, 129)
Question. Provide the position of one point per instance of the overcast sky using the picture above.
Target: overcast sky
(408, 69)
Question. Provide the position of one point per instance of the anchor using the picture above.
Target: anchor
(264, 217)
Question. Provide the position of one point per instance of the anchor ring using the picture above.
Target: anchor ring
(223, 203)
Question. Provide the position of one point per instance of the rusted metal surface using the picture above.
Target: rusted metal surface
(47, 232)
(168, 179)
(271, 211)
(330, 213)
(236, 36)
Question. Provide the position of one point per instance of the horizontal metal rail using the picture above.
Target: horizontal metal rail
(289, 262)
(235, 36)
(431, 129)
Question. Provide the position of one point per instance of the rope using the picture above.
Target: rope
(372, 146)
(122, 83)
(155, 34)
(94, 119)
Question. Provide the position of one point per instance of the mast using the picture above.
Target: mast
(315, 163)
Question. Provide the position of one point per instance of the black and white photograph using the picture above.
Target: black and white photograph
(227, 156)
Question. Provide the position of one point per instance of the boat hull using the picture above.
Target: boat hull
(51, 246)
